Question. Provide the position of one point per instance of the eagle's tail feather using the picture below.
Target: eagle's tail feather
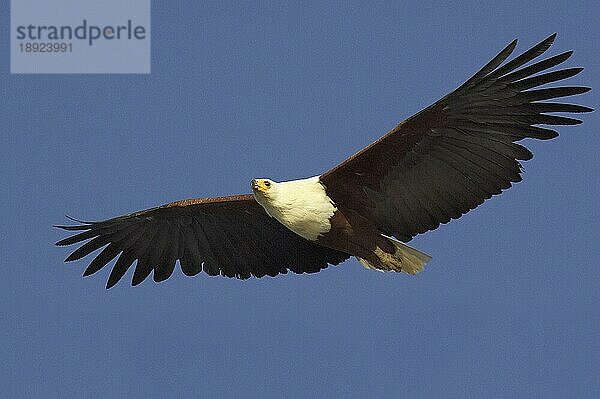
(406, 259)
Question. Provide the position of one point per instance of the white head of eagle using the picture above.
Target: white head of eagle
(301, 205)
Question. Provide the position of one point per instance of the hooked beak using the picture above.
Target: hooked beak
(260, 185)
(257, 187)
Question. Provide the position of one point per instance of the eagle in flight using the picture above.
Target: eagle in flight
(433, 167)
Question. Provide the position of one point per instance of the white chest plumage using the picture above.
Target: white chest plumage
(301, 205)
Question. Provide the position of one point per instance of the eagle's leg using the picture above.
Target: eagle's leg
(392, 255)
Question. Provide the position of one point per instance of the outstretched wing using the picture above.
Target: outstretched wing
(229, 236)
(447, 159)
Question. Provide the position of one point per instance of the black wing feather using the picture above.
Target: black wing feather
(229, 236)
(450, 157)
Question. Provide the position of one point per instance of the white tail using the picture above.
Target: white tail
(406, 259)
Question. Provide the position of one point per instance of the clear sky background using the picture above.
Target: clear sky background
(509, 306)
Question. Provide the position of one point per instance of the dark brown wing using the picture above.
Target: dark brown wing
(450, 157)
(228, 236)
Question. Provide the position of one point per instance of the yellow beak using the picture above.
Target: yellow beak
(259, 185)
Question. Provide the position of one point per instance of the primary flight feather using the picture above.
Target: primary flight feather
(433, 167)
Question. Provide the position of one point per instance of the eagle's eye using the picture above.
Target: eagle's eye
(267, 184)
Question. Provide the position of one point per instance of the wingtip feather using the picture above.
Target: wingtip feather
(88, 272)
(71, 258)
(75, 219)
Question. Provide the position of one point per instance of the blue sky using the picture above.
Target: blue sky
(508, 307)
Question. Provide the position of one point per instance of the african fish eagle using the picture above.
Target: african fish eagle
(433, 167)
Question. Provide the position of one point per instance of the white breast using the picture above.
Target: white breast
(301, 205)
